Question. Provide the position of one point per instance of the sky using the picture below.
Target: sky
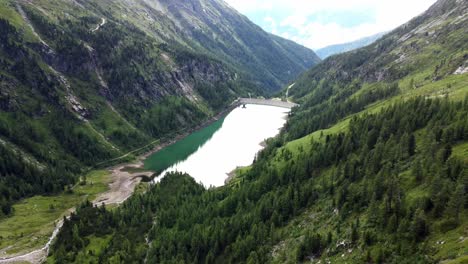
(319, 23)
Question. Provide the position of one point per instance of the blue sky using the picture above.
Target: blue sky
(319, 23)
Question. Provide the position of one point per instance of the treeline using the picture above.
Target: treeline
(218, 96)
(19, 178)
(369, 181)
(128, 224)
(57, 155)
(356, 173)
(22, 176)
(327, 105)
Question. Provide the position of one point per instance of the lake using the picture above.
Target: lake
(210, 153)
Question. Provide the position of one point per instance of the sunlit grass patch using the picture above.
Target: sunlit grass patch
(34, 218)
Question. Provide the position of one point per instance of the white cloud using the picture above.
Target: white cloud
(296, 21)
(246, 6)
(296, 16)
(272, 23)
(316, 35)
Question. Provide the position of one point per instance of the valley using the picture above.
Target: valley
(70, 101)
(112, 186)
(168, 112)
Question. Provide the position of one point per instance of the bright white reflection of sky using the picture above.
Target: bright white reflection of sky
(234, 144)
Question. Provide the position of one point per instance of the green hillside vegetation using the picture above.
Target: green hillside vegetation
(371, 190)
(34, 218)
(85, 82)
(75, 96)
(371, 168)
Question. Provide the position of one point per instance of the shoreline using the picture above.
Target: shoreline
(163, 144)
(232, 174)
(124, 180)
(121, 186)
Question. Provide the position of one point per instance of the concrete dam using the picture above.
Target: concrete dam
(271, 102)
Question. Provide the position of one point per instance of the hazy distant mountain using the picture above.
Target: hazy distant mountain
(344, 47)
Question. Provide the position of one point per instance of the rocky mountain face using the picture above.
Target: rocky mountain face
(213, 28)
(218, 29)
(328, 51)
(84, 81)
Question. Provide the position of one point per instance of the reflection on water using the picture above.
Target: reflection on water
(212, 152)
(183, 148)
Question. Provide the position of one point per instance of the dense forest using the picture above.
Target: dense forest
(370, 168)
(368, 171)
(324, 110)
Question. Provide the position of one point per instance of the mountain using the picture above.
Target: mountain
(418, 53)
(207, 27)
(328, 51)
(86, 82)
(370, 168)
(214, 27)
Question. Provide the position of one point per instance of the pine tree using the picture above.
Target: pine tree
(354, 234)
(77, 241)
(455, 203)
(445, 152)
(411, 145)
(419, 225)
(464, 183)
(417, 171)
(373, 212)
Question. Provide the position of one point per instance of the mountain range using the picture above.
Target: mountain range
(371, 166)
(328, 51)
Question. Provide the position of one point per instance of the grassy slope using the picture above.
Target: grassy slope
(451, 246)
(34, 218)
(457, 91)
(320, 218)
(94, 248)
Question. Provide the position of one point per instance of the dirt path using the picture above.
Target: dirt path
(103, 22)
(38, 255)
(28, 22)
(121, 187)
(287, 91)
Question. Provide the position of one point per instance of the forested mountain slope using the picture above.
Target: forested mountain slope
(371, 168)
(425, 56)
(82, 82)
